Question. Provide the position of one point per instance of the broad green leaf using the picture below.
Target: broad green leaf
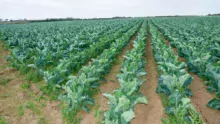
(127, 116)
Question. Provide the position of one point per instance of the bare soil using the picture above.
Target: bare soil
(14, 98)
(154, 110)
(3, 54)
(200, 95)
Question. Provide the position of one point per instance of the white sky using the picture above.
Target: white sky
(38, 9)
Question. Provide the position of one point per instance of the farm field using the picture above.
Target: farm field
(113, 71)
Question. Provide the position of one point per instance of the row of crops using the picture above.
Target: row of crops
(124, 99)
(57, 50)
(173, 82)
(197, 40)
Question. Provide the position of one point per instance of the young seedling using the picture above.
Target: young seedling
(20, 110)
(33, 107)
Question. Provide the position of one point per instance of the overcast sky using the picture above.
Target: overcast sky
(38, 9)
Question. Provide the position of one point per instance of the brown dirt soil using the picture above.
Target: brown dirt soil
(13, 96)
(200, 96)
(154, 110)
(109, 86)
(3, 54)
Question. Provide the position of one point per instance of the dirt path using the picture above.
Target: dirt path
(200, 95)
(96, 114)
(154, 110)
(22, 102)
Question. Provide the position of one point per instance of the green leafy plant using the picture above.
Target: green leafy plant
(2, 121)
(20, 110)
(33, 107)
